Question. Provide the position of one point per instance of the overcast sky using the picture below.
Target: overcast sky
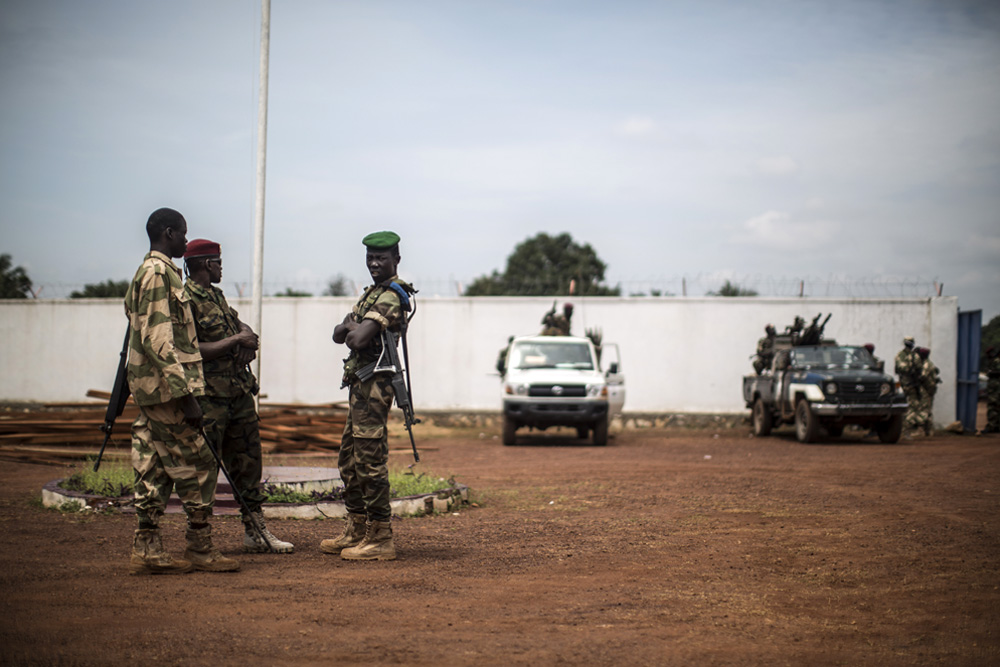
(853, 145)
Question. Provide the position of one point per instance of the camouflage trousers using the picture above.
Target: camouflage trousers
(993, 404)
(364, 449)
(167, 455)
(233, 427)
(921, 410)
(914, 418)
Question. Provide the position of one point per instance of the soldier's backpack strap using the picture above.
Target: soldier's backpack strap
(404, 295)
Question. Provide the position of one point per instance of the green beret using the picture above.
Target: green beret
(381, 240)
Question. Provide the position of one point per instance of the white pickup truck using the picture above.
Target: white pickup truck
(559, 381)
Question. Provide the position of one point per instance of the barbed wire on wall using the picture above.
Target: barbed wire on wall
(691, 285)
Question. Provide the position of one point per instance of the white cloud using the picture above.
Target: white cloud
(778, 229)
(778, 165)
(636, 126)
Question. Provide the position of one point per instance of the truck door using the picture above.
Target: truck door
(611, 359)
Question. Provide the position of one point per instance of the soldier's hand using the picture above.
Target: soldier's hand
(247, 339)
(245, 355)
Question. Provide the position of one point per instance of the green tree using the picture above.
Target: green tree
(107, 290)
(14, 280)
(545, 265)
(732, 289)
(293, 292)
(337, 286)
(990, 337)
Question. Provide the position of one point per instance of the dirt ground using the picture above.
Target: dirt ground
(664, 548)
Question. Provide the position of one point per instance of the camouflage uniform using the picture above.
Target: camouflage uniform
(930, 378)
(364, 447)
(765, 354)
(229, 413)
(907, 368)
(164, 366)
(993, 396)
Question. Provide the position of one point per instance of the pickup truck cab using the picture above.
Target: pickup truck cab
(559, 381)
(825, 385)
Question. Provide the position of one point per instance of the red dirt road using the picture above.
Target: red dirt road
(664, 548)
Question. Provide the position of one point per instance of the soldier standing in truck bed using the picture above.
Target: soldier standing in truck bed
(765, 350)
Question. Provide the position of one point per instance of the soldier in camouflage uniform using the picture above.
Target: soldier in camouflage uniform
(765, 350)
(364, 449)
(907, 369)
(992, 391)
(930, 378)
(165, 378)
(230, 414)
(558, 325)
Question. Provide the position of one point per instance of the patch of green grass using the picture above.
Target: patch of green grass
(401, 484)
(113, 480)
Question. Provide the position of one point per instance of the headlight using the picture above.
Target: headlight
(519, 389)
(885, 389)
(594, 389)
(830, 388)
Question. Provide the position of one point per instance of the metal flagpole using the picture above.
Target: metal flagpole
(258, 249)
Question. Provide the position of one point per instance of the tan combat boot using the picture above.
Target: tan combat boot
(148, 556)
(203, 554)
(354, 531)
(254, 544)
(377, 544)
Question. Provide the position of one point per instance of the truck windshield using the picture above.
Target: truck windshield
(562, 354)
(831, 357)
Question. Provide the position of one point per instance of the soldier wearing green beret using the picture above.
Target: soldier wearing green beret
(364, 449)
(165, 377)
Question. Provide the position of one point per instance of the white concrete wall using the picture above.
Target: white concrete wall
(679, 354)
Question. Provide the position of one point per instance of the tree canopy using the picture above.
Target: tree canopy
(106, 290)
(546, 265)
(14, 280)
(990, 337)
(732, 289)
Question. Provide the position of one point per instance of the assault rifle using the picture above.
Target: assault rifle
(236, 492)
(388, 364)
(119, 396)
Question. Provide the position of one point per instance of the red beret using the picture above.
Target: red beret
(202, 248)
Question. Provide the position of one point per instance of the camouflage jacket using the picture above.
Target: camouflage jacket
(163, 362)
(930, 377)
(381, 304)
(908, 366)
(214, 320)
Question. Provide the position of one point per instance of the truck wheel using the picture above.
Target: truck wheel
(761, 418)
(582, 432)
(806, 424)
(890, 431)
(601, 432)
(509, 431)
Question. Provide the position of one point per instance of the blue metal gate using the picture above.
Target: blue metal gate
(970, 327)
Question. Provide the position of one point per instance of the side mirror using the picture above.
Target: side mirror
(613, 368)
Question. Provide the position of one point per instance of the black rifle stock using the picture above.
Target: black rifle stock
(399, 387)
(119, 396)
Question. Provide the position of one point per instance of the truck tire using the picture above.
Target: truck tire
(806, 424)
(582, 432)
(761, 418)
(601, 431)
(889, 432)
(509, 431)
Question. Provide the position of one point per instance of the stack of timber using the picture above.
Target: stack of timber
(47, 432)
